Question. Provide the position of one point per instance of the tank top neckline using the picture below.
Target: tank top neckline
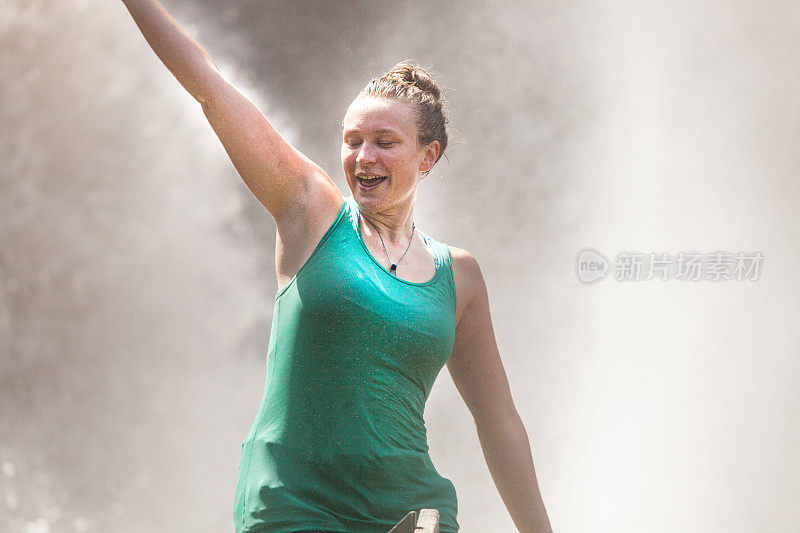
(437, 261)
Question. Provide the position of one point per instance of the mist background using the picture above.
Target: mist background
(137, 275)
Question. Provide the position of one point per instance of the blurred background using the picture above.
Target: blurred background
(137, 271)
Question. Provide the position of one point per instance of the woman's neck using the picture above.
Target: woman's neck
(395, 227)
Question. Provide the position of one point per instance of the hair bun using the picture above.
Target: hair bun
(415, 76)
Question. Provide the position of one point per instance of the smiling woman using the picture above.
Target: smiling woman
(369, 311)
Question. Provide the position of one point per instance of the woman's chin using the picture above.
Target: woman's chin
(373, 195)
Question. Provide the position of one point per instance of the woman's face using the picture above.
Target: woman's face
(381, 156)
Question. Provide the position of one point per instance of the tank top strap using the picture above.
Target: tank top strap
(351, 211)
(437, 259)
(441, 252)
(444, 262)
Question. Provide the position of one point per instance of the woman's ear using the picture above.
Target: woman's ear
(429, 157)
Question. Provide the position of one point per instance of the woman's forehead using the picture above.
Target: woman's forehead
(375, 114)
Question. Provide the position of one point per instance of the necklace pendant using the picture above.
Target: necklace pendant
(393, 270)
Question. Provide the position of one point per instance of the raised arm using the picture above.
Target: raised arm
(285, 181)
(480, 378)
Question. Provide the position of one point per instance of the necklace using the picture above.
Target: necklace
(393, 267)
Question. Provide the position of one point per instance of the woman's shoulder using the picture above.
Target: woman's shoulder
(463, 261)
(467, 277)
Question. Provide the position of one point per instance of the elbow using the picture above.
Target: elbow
(203, 94)
(207, 84)
(204, 100)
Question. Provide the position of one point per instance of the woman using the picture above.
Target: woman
(368, 311)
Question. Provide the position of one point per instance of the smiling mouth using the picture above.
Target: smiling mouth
(370, 182)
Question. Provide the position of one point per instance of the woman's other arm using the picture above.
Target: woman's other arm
(285, 181)
(479, 376)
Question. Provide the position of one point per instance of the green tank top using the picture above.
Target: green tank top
(339, 442)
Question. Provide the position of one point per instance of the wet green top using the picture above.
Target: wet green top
(339, 442)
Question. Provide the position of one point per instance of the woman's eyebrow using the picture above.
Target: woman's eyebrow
(379, 131)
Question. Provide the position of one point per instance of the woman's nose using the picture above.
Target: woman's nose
(365, 154)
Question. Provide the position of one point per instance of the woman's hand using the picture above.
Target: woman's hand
(480, 378)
